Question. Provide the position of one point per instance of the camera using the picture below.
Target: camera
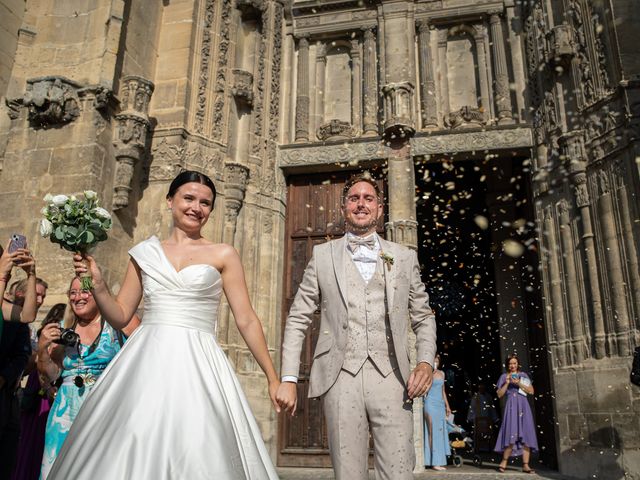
(68, 338)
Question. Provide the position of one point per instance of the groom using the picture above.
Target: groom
(368, 290)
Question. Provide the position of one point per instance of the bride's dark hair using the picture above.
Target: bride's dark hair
(188, 176)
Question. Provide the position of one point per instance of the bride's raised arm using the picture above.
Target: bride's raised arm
(118, 311)
(235, 289)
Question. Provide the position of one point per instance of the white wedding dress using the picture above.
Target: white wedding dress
(169, 405)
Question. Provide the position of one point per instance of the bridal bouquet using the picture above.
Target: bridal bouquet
(77, 224)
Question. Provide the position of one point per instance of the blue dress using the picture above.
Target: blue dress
(434, 406)
(89, 364)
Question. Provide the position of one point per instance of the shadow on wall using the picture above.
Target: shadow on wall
(598, 457)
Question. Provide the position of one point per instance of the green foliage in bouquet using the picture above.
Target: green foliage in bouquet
(77, 224)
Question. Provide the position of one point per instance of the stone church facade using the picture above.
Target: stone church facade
(119, 96)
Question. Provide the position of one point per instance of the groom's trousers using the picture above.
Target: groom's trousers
(368, 400)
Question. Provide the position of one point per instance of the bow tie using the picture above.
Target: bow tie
(356, 242)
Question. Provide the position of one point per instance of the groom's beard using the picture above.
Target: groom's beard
(361, 228)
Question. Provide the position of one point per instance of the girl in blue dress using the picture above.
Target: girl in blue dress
(436, 411)
(79, 365)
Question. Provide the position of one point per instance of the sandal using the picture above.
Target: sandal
(502, 469)
(527, 469)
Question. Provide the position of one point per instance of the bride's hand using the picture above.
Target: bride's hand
(86, 263)
(273, 390)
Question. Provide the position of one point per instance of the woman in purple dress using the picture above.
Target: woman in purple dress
(517, 434)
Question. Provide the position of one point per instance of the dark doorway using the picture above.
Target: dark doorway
(458, 250)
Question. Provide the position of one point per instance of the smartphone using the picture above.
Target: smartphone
(514, 376)
(17, 241)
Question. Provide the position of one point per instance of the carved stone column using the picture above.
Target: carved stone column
(402, 226)
(572, 148)
(235, 185)
(483, 69)
(555, 287)
(370, 74)
(428, 106)
(321, 64)
(302, 98)
(619, 339)
(577, 340)
(443, 82)
(583, 201)
(502, 91)
(132, 126)
(356, 82)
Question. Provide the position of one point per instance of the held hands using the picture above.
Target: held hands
(20, 258)
(420, 380)
(86, 263)
(274, 385)
(287, 397)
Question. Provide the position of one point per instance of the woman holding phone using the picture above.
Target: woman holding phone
(17, 256)
(517, 436)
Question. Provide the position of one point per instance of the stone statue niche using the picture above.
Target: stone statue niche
(336, 108)
(463, 79)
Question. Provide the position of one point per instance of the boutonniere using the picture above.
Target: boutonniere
(387, 259)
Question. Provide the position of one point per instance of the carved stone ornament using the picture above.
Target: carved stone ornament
(130, 135)
(236, 177)
(51, 101)
(242, 88)
(336, 129)
(561, 43)
(465, 117)
(398, 110)
(351, 153)
(580, 190)
(515, 138)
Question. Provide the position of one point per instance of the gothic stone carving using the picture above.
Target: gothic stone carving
(205, 65)
(221, 73)
(336, 129)
(131, 135)
(561, 43)
(242, 88)
(472, 141)
(466, 116)
(51, 101)
(351, 153)
(274, 107)
(398, 109)
(235, 184)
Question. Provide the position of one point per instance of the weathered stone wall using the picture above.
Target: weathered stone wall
(11, 14)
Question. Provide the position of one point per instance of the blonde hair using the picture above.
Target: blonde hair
(70, 318)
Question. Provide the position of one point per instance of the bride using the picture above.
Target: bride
(169, 406)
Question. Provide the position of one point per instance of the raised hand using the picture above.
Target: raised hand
(84, 264)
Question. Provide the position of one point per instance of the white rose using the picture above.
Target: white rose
(90, 194)
(73, 198)
(59, 200)
(45, 211)
(46, 227)
(102, 213)
(48, 198)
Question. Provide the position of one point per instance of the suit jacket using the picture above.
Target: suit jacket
(323, 285)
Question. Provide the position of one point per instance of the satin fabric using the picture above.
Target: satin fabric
(169, 406)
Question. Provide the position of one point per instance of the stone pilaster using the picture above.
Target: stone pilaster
(502, 92)
(428, 106)
(402, 226)
(302, 97)
(619, 339)
(132, 127)
(483, 69)
(577, 339)
(558, 333)
(235, 184)
(356, 82)
(321, 65)
(370, 74)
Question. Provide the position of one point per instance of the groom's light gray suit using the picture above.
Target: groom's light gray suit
(361, 360)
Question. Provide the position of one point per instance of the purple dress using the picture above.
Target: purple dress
(517, 427)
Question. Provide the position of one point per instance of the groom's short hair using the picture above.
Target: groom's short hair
(357, 178)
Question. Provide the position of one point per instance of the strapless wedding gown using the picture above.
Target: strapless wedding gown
(169, 405)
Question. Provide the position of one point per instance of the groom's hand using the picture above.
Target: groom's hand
(420, 380)
(287, 397)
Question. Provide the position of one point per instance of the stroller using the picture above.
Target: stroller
(460, 442)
